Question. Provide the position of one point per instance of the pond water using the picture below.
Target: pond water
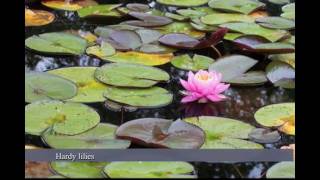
(243, 102)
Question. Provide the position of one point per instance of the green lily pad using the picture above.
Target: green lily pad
(276, 22)
(138, 7)
(232, 66)
(290, 40)
(191, 13)
(148, 169)
(289, 58)
(130, 75)
(156, 48)
(280, 2)
(280, 115)
(145, 98)
(251, 78)
(222, 18)
(100, 137)
(284, 169)
(232, 36)
(43, 86)
(281, 74)
(148, 35)
(239, 6)
(255, 29)
(200, 26)
(289, 11)
(105, 10)
(64, 118)
(176, 17)
(224, 133)
(68, 5)
(261, 135)
(181, 27)
(163, 133)
(195, 63)
(102, 51)
(78, 169)
(183, 3)
(89, 89)
(57, 43)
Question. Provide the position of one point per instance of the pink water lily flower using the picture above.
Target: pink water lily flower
(203, 86)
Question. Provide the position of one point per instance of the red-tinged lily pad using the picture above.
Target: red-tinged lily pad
(125, 39)
(147, 20)
(155, 132)
(183, 41)
(281, 74)
(261, 135)
(258, 44)
(138, 7)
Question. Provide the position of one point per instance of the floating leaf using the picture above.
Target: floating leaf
(288, 58)
(181, 27)
(240, 6)
(102, 51)
(198, 25)
(276, 23)
(290, 40)
(89, 89)
(222, 18)
(282, 170)
(64, 118)
(154, 49)
(57, 43)
(148, 35)
(191, 13)
(140, 97)
(279, 2)
(68, 5)
(43, 86)
(138, 7)
(261, 135)
(149, 170)
(255, 29)
(127, 39)
(280, 115)
(37, 17)
(251, 78)
(130, 75)
(148, 20)
(165, 133)
(224, 133)
(232, 66)
(78, 169)
(105, 10)
(289, 11)
(100, 137)
(196, 63)
(281, 74)
(183, 3)
(176, 17)
(184, 41)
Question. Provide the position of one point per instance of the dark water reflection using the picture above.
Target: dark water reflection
(243, 102)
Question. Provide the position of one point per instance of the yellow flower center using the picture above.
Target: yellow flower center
(204, 77)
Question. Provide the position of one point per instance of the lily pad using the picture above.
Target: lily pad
(129, 40)
(89, 89)
(280, 2)
(255, 29)
(224, 133)
(43, 86)
(102, 51)
(149, 170)
(261, 135)
(176, 17)
(68, 5)
(154, 49)
(191, 13)
(251, 78)
(105, 10)
(100, 137)
(195, 63)
(183, 3)
(288, 58)
(64, 118)
(152, 97)
(222, 18)
(281, 116)
(232, 66)
(148, 35)
(239, 6)
(130, 75)
(200, 26)
(282, 170)
(38, 17)
(148, 20)
(289, 11)
(57, 43)
(281, 74)
(78, 169)
(138, 7)
(164, 133)
(276, 23)
(181, 27)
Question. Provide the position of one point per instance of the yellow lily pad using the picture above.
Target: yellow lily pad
(67, 4)
(38, 17)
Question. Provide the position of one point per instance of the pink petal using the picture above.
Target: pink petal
(221, 87)
(186, 85)
(215, 98)
(189, 99)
